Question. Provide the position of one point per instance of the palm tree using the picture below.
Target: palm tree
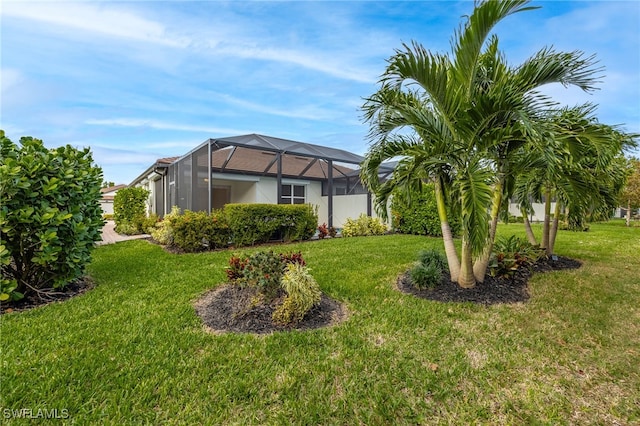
(577, 164)
(458, 120)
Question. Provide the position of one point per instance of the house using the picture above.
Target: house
(259, 169)
(106, 201)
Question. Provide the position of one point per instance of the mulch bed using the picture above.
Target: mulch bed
(58, 295)
(493, 290)
(230, 308)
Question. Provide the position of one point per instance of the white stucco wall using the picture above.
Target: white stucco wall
(538, 208)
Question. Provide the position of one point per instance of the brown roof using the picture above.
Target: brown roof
(167, 160)
(112, 188)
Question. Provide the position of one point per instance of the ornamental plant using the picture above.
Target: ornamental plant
(511, 254)
(363, 226)
(303, 293)
(50, 215)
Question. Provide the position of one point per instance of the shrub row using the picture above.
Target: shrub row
(363, 226)
(418, 214)
(236, 224)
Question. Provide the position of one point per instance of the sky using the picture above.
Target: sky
(140, 80)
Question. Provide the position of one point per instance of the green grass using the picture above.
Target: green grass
(133, 351)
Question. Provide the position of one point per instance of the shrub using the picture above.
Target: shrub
(333, 232)
(197, 231)
(323, 231)
(288, 258)
(363, 226)
(512, 253)
(428, 272)
(425, 276)
(130, 210)
(107, 216)
(235, 270)
(162, 231)
(302, 291)
(263, 270)
(258, 223)
(50, 215)
(418, 214)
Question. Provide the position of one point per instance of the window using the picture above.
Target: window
(293, 194)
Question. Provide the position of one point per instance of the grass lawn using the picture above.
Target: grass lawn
(133, 351)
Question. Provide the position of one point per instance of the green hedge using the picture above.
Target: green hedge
(258, 223)
(420, 215)
(237, 224)
(50, 215)
(130, 211)
(197, 231)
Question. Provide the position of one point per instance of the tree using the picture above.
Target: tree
(130, 210)
(577, 164)
(50, 215)
(457, 121)
(631, 193)
(108, 184)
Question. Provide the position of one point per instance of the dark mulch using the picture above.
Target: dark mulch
(233, 308)
(32, 300)
(493, 290)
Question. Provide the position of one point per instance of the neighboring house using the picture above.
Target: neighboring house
(106, 202)
(259, 169)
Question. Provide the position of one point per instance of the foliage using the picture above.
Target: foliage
(323, 231)
(333, 232)
(460, 120)
(197, 231)
(428, 272)
(417, 213)
(630, 197)
(162, 231)
(263, 271)
(363, 226)
(293, 257)
(511, 254)
(303, 292)
(107, 216)
(50, 215)
(235, 270)
(258, 223)
(130, 210)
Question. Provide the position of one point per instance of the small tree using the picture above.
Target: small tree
(130, 210)
(631, 193)
(50, 215)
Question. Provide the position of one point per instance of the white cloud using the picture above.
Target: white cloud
(306, 112)
(162, 125)
(102, 19)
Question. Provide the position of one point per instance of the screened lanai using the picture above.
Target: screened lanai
(255, 168)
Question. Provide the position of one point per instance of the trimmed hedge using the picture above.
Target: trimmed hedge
(50, 215)
(258, 223)
(130, 211)
(420, 216)
(237, 224)
(197, 231)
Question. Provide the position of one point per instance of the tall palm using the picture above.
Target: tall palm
(452, 119)
(577, 164)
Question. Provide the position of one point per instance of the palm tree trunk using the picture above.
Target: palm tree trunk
(447, 236)
(547, 219)
(628, 212)
(481, 264)
(554, 228)
(527, 228)
(466, 278)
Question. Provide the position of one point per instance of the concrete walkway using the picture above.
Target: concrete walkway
(110, 236)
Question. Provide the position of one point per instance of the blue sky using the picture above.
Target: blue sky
(136, 81)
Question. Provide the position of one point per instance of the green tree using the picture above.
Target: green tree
(631, 194)
(130, 210)
(458, 121)
(577, 164)
(50, 215)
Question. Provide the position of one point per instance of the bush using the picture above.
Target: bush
(50, 215)
(363, 226)
(418, 214)
(263, 270)
(512, 253)
(162, 232)
(130, 210)
(323, 231)
(197, 231)
(258, 223)
(428, 272)
(303, 292)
